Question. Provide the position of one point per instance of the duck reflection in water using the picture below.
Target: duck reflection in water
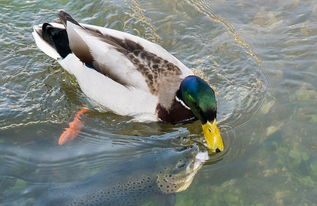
(152, 178)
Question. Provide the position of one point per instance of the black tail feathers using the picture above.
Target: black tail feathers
(64, 17)
(57, 38)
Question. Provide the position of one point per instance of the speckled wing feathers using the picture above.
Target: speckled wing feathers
(152, 67)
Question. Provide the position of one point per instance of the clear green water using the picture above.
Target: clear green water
(259, 55)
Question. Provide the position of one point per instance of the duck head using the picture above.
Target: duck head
(196, 94)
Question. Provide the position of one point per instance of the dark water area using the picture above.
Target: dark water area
(259, 56)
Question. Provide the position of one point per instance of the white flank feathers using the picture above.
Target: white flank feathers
(108, 56)
(110, 94)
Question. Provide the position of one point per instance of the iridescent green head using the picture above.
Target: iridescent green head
(200, 98)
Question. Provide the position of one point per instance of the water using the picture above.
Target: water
(260, 56)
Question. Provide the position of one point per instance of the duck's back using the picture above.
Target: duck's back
(125, 73)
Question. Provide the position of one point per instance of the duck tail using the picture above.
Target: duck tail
(64, 17)
(52, 40)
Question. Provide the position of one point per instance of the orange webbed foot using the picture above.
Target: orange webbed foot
(74, 128)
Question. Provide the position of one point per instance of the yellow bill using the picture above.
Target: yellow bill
(213, 137)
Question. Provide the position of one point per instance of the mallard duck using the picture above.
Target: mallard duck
(129, 75)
